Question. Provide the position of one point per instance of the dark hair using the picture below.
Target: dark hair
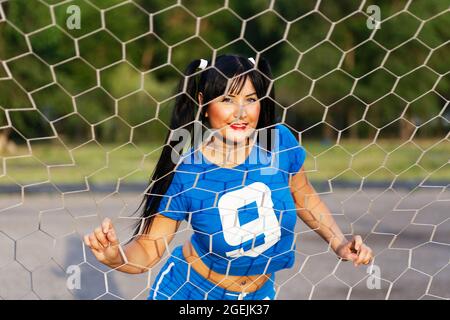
(213, 82)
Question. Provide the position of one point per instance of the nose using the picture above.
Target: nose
(240, 110)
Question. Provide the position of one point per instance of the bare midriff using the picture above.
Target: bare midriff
(232, 283)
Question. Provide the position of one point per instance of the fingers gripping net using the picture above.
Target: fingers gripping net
(86, 90)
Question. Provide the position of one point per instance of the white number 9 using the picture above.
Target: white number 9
(267, 223)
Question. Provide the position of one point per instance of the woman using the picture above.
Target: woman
(241, 189)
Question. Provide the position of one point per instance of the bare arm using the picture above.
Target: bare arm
(140, 254)
(313, 211)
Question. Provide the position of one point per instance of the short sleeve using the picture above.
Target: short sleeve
(174, 204)
(297, 153)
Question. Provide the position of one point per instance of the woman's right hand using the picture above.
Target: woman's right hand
(105, 245)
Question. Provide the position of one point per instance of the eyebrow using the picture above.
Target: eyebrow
(232, 95)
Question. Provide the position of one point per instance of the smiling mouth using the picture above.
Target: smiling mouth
(238, 126)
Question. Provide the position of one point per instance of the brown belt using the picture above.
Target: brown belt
(232, 283)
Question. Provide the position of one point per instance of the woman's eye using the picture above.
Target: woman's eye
(226, 99)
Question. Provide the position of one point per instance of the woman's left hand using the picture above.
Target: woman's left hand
(355, 250)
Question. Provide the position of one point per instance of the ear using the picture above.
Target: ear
(200, 99)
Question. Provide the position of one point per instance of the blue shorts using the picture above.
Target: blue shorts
(177, 281)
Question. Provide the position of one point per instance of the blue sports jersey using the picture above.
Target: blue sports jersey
(243, 217)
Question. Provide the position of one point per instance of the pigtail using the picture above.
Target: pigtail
(183, 116)
(267, 119)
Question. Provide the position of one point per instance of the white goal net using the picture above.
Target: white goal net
(86, 93)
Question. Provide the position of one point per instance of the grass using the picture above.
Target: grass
(384, 160)
(347, 161)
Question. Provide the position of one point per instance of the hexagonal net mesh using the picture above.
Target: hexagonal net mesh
(86, 94)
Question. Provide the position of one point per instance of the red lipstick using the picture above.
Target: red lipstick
(238, 126)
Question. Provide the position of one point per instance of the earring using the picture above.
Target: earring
(213, 149)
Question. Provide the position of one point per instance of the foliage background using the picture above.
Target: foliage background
(112, 81)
